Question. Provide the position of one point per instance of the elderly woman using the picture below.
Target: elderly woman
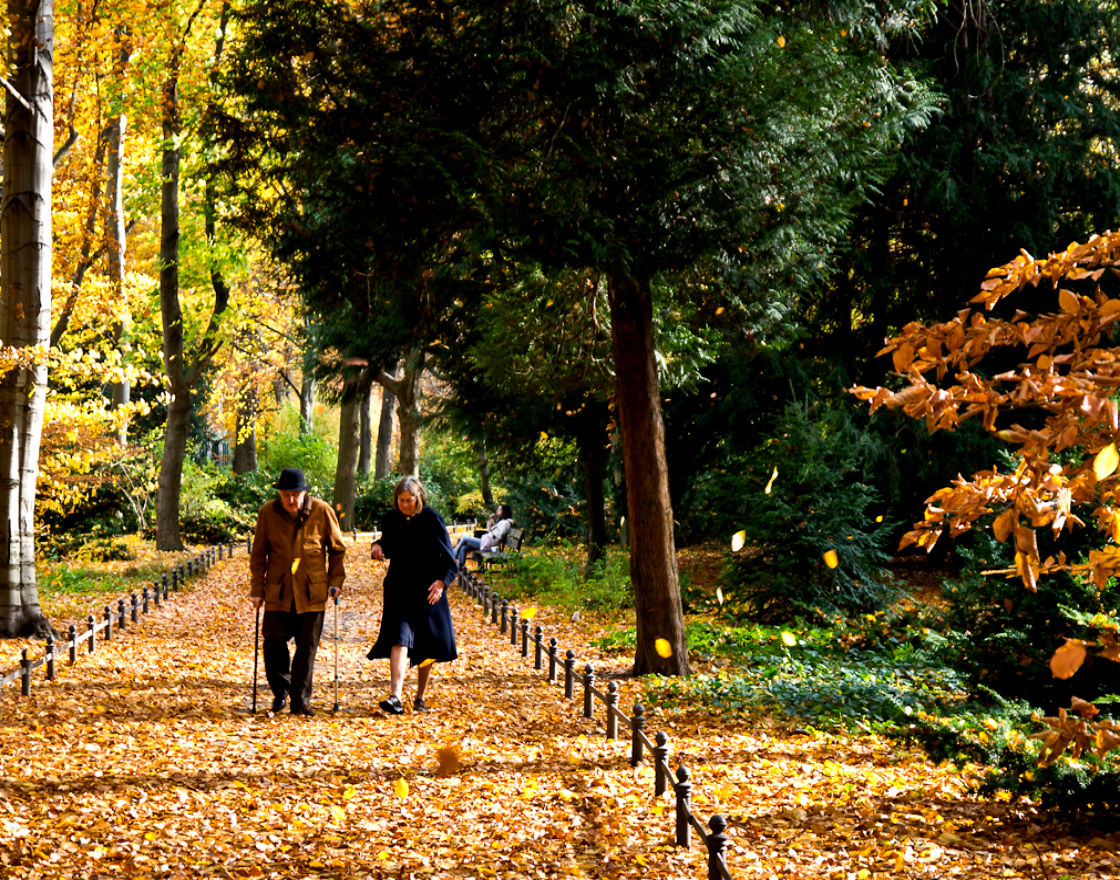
(416, 625)
(497, 527)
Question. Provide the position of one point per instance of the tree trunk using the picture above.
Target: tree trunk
(346, 468)
(406, 390)
(364, 428)
(383, 462)
(653, 559)
(593, 454)
(484, 476)
(245, 441)
(115, 236)
(25, 302)
(179, 410)
(306, 404)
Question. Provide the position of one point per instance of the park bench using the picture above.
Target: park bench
(509, 547)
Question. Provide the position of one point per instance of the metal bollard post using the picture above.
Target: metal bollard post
(612, 710)
(50, 658)
(570, 674)
(538, 651)
(73, 644)
(717, 847)
(24, 673)
(588, 696)
(163, 583)
(135, 609)
(120, 613)
(637, 728)
(660, 764)
(505, 615)
(553, 650)
(156, 591)
(249, 544)
(92, 634)
(221, 550)
(513, 626)
(144, 599)
(108, 624)
(493, 605)
(683, 789)
(524, 638)
(175, 579)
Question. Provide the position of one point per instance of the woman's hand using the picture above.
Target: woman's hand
(376, 552)
(435, 591)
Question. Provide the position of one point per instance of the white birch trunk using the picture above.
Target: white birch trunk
(25, 302)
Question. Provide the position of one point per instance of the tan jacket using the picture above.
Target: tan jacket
(296, 558)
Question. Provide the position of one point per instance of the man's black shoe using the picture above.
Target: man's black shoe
(278, 704)
(302, 710)
(392, 705)
(418, 705)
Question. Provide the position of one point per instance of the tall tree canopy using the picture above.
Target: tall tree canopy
(650, 142)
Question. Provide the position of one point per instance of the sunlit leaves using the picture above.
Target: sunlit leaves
(1106, 461)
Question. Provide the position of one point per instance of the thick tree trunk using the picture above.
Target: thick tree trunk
(383, 461)
(25, 302)
(346, 468)
(653, 559)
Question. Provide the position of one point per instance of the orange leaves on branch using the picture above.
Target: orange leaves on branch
(1076, 735)
(1068, 372)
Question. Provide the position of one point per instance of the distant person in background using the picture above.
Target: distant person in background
(416, 627)
(296, 563)
(497, 527)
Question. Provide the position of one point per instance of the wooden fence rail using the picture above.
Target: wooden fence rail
(113, 619)
(505, 618)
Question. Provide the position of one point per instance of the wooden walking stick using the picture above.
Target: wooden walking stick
(335, 652)
(256, 654)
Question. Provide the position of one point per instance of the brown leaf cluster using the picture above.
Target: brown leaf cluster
(143, 761)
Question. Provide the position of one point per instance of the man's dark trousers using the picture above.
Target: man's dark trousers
(291, 674)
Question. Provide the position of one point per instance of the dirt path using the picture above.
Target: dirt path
(143, 761)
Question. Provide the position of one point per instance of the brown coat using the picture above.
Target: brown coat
(298, 558)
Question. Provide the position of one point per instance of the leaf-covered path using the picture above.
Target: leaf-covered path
(142, 760)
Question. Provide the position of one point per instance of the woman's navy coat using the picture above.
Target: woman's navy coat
(419, 552)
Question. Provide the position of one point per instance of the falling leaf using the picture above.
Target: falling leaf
(1068, 658)
(770, 482)
(789, 639)
(738, 540)
(400, 788)
(448, 760)
(663, 648)
(295, 564)
(529, 613)
(1106, 462)
(831, 559)
(719, 595)
(424, 663)
(781, 42)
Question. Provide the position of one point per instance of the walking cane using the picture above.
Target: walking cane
(256, 654)
(335, 652)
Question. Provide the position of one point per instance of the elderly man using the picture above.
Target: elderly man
(296, 564)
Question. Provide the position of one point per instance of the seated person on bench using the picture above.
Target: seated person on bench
(497, 527)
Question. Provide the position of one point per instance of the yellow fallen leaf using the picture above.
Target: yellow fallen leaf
(400, 788)
(663, 648)
(831, 559)
(383, 855)
(338, 814)
(349, 792)
(738, 540)
(1106, 461)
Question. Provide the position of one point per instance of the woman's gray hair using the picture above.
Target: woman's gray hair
(412, 486)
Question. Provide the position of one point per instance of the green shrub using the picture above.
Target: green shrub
(558, 578)
(817, 503)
